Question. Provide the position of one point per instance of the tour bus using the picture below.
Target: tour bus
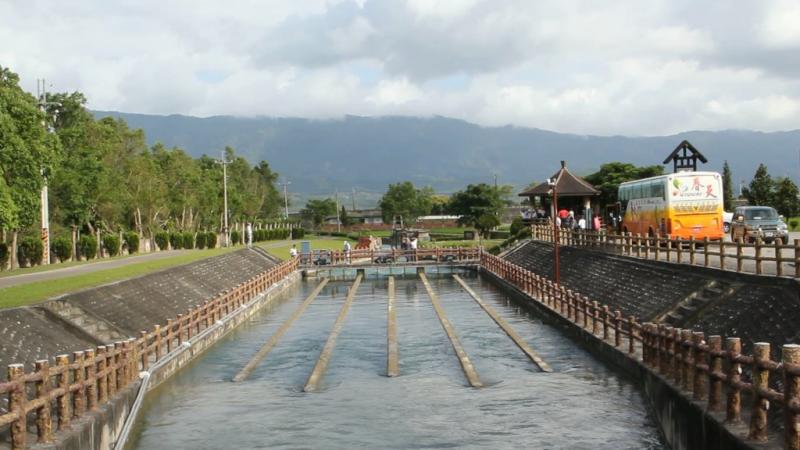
(682, 205)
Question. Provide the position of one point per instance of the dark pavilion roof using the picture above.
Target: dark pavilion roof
(567, 184)
(689, 151)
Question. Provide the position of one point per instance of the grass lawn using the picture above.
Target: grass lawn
(42, 290)
(281, 250)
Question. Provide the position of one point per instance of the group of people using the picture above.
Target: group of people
(566, 219)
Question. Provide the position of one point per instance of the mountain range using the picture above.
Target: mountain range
(367, 153)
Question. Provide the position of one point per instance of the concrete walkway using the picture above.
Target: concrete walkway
(65, 272)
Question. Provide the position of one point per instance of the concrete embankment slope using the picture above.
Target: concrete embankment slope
(755, 308)
(119, 310)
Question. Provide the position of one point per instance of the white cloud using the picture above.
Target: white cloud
(781, 25)
(571, 65)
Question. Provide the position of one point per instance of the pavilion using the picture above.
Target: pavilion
(574, 193)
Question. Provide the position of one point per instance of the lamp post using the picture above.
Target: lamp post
(286, 207)
(552, 182)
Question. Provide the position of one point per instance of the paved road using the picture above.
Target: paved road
(65, 272)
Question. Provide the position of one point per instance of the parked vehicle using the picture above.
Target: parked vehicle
(727, 218)
(753, 222)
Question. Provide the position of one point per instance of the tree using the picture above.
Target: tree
(612, 174)
(439, 204)
(477, 202)
(727, 187)
(26, 152)
(486, 223)
(405, 200)
(344, 218)
(760, 191)
(785, 197)
(317, 210)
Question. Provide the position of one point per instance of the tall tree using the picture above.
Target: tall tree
(612, 174)
(317, 210)
(785, 197)
(26, 152)
(405, 200)
(760, 191)
(478, 204)
(727, 187)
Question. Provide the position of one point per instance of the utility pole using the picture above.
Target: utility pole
(285, 199)
(225, 163)
(338, 219)
(495, 181)
(41, 91)
(354, 199)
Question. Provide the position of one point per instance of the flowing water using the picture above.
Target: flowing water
(582, 404)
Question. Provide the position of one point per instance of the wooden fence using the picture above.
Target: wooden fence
(71, 388)
(696, 364)
(758, 258)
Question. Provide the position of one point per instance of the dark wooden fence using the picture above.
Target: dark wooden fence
(696, 364)
(72, 387)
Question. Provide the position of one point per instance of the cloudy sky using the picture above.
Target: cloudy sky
(590, 67)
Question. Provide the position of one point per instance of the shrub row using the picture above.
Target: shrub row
(29, 249)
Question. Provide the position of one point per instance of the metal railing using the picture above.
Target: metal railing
(389, 256)
(93, 377)
(697, 366)
(757, 258)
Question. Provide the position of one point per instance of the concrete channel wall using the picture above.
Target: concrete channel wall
(100, 431)
(685, 424)
(752, 307)
(85, 320)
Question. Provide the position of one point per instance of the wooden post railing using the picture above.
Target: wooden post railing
(700, 369)
(93, 377)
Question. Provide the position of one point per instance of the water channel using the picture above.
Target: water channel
(582, 404)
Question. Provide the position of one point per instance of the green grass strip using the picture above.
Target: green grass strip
(26, 294)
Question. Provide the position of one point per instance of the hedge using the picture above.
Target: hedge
(211, 239)
(62, 247)
(3, 255)
(29, 251)
(188, 240)
(236, 238)
(87, 246)
(162, 240)
(111, 244)
(176, 240)
(200, 240)
(131, 239)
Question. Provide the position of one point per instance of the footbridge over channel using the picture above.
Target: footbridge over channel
(452, 348)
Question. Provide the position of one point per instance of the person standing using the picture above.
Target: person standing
(413, 245)
(347, 252)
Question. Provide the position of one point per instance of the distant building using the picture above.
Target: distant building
(365, 216)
